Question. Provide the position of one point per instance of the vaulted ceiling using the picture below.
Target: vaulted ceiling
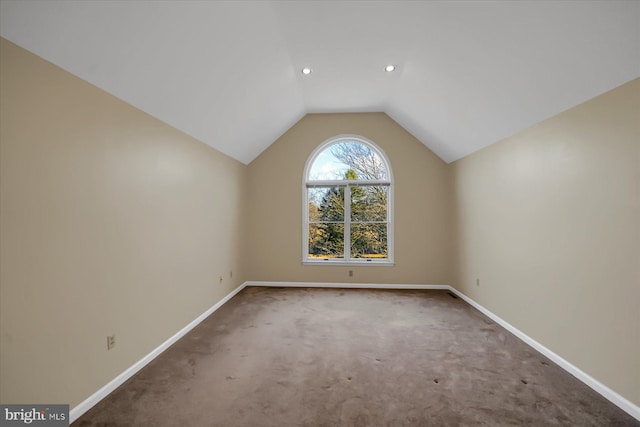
(468, 73)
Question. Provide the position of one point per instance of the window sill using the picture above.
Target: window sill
(332, 262)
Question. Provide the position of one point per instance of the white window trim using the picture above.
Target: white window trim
(389, 261)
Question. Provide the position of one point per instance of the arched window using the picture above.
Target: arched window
(348, 204)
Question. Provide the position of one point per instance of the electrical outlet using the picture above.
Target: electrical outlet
(111, 341)
(350, 273)
(231, 274)
(477, 282)
(221, 280)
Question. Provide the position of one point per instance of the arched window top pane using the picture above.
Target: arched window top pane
(348, 159)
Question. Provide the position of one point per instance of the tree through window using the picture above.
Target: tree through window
(348, 204)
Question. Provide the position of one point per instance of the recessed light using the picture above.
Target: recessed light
(306, 70)
(389, 68)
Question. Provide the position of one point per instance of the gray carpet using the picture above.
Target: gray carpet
(351, 357)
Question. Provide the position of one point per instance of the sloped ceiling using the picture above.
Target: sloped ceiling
(229, 73)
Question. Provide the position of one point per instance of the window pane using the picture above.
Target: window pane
(348, 160)
(326, 204)
(369, 203)
(369, 241)
(326, 240)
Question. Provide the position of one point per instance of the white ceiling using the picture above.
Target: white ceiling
(469, 73)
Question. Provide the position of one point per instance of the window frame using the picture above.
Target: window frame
(347, 184)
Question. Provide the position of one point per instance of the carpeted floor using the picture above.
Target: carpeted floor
(351, 357)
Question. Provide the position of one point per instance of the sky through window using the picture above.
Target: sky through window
(326, 166)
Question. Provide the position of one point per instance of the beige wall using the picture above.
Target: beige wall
(423, 214)
(111, 222)
(549, 221)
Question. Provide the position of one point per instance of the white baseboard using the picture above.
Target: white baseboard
(96, 397)
(344, 285)
(624, 404)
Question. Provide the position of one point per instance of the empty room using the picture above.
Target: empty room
(319, 213)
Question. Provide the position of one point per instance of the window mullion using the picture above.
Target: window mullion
(347, 222)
